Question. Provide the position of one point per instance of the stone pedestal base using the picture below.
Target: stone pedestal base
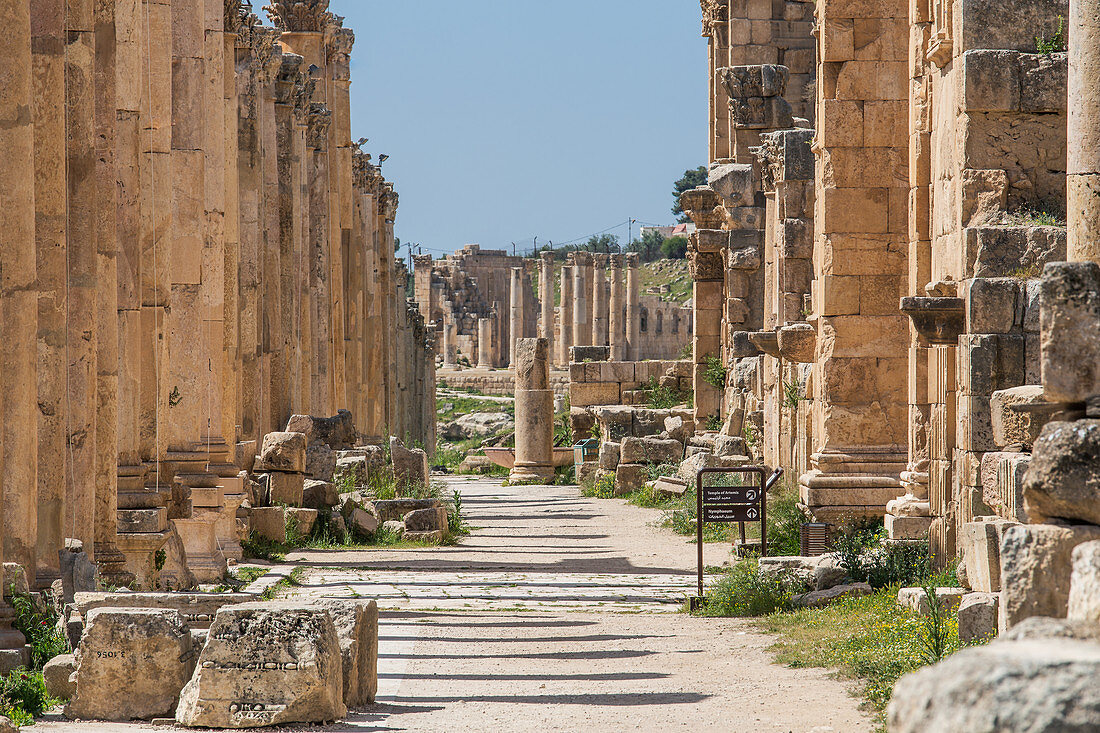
(140, 549)
(111, 563)
(14, 651)
(205, 559)
(531, 472)
(841, 487)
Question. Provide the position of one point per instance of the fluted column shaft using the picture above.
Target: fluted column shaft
(565, 316)
(633, 314)
(616, 327)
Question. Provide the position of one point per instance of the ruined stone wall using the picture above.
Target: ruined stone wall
(196, 252)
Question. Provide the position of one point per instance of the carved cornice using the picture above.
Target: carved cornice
(288, 79)
(387, 202)
(235, 13)
(303, 97)
(704, 266)
(630, 259)
(704, 206)
(365, 175)
(300, 16)
(248, 30)
(320, 119)
(338, 44)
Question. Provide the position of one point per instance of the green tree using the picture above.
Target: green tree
(649, 246)
(675, 248)
(603, 243)
(691, 179)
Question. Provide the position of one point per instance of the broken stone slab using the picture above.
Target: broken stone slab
(1004, 686)
(60, 676)
(1036, 567)
(410, 467)
(359, 518)
(730, 445)
(320, 462)
(481, 425)
(916, 599)
(1013, 426)
(689, 469)
(394, 527)
(907, 528)
(678, 429)
(319, 494)
(131, 665)
(196, 609)
(580, 354)
(610, 453)
(978, 617)
(337, 432)
(979, 545)
(78, 573)
(829, 573)
(286, 488)
(1063, 480)
(909, 506)
(1070, 331)
(1043, 627)
(669, 487)
(396, 509)
(304, 519)
(266, 664)
(651, 450)
(1084, 585)
(820, 598)
(282, 452)
(15, 580)
(269, 522)
(356, 622)
(431, 537)
(426, 520)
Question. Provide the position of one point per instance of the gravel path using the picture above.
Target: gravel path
(560, 613)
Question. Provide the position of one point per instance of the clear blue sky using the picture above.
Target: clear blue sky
(510, 119)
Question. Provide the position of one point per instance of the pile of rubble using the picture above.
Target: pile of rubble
(216, 660)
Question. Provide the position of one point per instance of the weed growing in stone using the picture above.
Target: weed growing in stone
(940, 631)
(23, 696)
(601, 488)
(746, 591)
(1056, 43)
(39, 626)
(714, 372)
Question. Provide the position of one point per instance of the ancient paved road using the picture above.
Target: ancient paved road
(559, 613)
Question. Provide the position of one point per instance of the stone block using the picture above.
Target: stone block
(359, 520)
(979, 545)
(131, 665)
(651, 450)
(319, 494)
(991, 305)
(1084, 586)
(320, 462)
(303, 519)
(337, 432)
(430, 537)
(1000, 251)
(60, 676)
(286, 488)
(396, 509)
(821, 598)
(990, 80)
(142, 520)
(616, 423)
(988, 363)
(426, 520)
(282, 452)
(579, 354)
(630, 477)
(1011, 426)
(916, 600)
(196, 609)
(978, 617)
(1063, 481)
(1036, 566)
(410, 467)
(1035, 685)
(587, 395)
(356, 624)
(1007, 498)
(907, 528)
(266, 664)
(609, 455)
(734, 182)
(269, 522)
(1070, 326)
(648, 422)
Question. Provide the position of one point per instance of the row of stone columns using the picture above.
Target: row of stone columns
(191, 252)
(599, 305)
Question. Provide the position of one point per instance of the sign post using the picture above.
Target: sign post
(727, 495)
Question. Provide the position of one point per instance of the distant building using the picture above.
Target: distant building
(679, 230)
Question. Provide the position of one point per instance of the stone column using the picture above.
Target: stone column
(322, 317)
(582, 325)
(484, 343)
(387, 203)
(707, 269)
(515, 314)
(83, 264)
(18, 295)
(338, 46)
(565, 317)
(534, 412)
(109, 558)
(50, 199)
(633, 293)
(599, 301)
(1083, 141)
(616, 328)
(18, 325)
(450, 348)
(546, 294)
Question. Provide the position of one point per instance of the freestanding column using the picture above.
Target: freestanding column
(546, 293)
(565, 316)
(1083, 142)
(534, 412)
(599, 301)
(633, 289)
(484, 343)
(450, 348)
(17, 248)
(516, 315)
(18, 296)
(582, 326)
(616, 328)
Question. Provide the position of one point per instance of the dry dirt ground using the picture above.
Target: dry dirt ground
(559, 613)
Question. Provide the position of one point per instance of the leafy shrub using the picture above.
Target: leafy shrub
(23, 696)
(714, 372)
(866, 556)
(746, 591)
(39, 626)
(785, 520)
(602, 488)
